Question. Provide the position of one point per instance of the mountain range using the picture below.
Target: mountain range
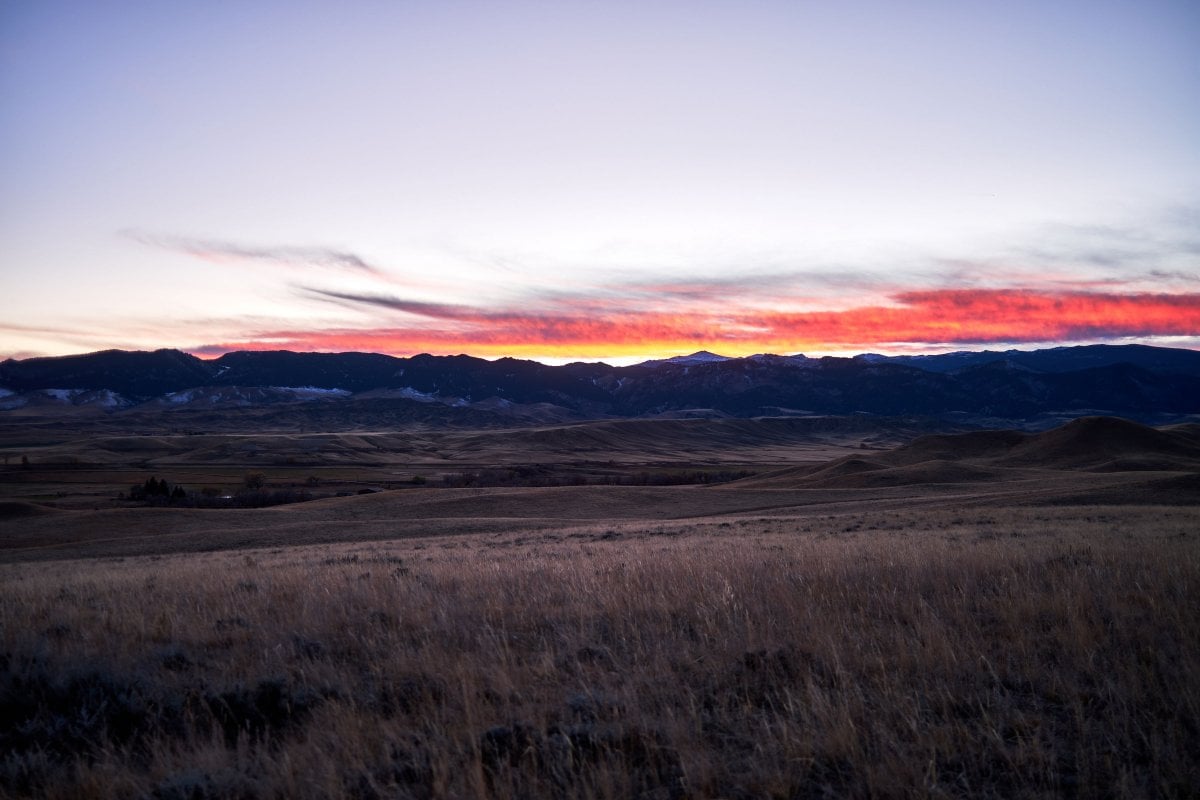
(1131, 380)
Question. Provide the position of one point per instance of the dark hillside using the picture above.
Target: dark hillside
(355, 372)
(131, 373)
(1007, 388)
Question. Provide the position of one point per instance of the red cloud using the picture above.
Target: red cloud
(932, 317)
(978, 316)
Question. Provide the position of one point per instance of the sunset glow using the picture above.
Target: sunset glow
(932, 318)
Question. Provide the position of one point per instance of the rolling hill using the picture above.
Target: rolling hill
(1095, 444)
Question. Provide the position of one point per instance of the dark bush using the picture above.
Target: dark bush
(64, 716)
(261, 711)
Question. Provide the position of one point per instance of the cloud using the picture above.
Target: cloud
(1064, 285)
(1168, 238)
(46, 340)
(933, 317)
(435, 310)
(990, 316)
(218, 250)
(752, 286)
(42, 329)
(1174, 275)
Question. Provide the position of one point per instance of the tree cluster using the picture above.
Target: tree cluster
(156, 491)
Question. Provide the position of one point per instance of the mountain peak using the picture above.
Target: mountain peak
(698, 357)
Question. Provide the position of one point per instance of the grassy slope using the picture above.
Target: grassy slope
(922, 653)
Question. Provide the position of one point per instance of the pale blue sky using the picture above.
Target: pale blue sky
(186, 175)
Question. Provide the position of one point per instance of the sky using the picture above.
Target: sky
(612, 180)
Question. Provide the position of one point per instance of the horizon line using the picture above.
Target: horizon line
(200, 353)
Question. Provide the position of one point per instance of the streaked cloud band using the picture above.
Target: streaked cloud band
(938, 317)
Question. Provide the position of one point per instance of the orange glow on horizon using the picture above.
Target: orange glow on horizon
(931, 317)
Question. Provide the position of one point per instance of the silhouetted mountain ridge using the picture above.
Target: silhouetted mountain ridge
(1057, 359)
(1129, 380)
(134, 373)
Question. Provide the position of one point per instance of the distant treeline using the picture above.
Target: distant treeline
(159, 492)
(155, 491)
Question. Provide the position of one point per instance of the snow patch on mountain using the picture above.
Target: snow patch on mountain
(107, 398)
(313, 392)
(403, 393)
(217, 396)
(10, 400)
(102, 398)
(179, 398)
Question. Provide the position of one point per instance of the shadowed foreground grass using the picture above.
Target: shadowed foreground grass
(1006, 655)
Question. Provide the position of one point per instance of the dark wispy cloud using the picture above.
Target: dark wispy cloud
(1175, 275)
(292, 256)
(391, 303)
(1166, 239)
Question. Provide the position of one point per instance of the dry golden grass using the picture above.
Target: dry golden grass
(928, 653)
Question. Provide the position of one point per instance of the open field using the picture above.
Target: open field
(86, 462)
(834, 470)
(1002, 615)
(925, 653)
